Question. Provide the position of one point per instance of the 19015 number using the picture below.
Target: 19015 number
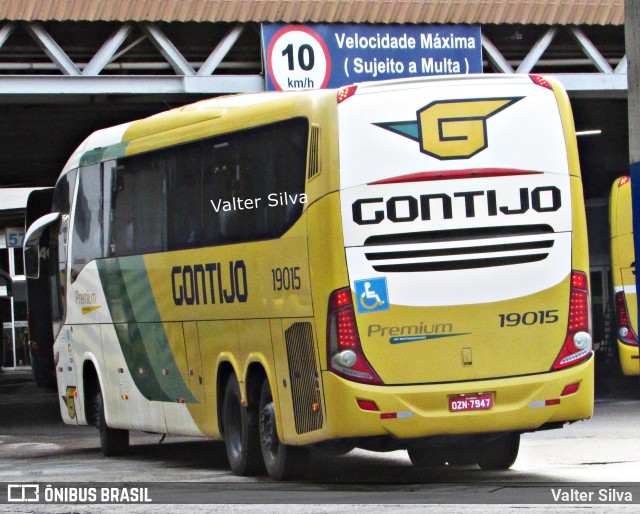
(286, 278)
(513, 319)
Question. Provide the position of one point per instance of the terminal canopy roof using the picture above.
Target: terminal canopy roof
(543, 12)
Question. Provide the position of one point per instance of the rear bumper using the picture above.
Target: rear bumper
(423, 410)
(629, 359)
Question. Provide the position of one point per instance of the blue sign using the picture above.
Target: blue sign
(318, 56)
(371, 295)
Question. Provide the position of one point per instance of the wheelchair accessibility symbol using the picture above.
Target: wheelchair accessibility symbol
(372, 295)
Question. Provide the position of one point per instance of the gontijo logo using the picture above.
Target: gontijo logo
(451, 129)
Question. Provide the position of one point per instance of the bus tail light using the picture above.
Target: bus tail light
(346, 92)
(626, 334)
(577, 345)
(344, 352)
(540, 81)
(623, 180)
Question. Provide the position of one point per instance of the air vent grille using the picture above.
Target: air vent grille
(303, 376)
(314, 157)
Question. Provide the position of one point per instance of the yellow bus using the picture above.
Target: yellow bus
(623, 276)
(391, 265)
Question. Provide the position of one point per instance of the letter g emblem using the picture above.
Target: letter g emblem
(457, 129)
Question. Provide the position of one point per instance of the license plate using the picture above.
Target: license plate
(467, 402)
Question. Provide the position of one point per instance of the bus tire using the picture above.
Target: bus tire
(459, 455)
(240, 425)
(427, 457)
(113, 441)
(282, 461)
(499, 453)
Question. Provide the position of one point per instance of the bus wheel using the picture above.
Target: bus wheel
(499, 453)
(113, 441)
(240, 426)
(427, 457)
(281, 460)
(461, 456)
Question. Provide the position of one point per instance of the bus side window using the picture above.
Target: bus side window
(290, 161)
(253, 182)
(58, 247)
(87, 225)
(184, 197)
(138, 221)
(222, 182)
(257, 180)
(240, 187)
(122, 201)
(109, 174)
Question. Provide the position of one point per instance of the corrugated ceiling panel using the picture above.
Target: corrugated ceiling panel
(578, 12)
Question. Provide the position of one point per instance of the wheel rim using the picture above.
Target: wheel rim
(268, 433)
(235, 432)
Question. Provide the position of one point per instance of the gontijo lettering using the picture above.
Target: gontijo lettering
(398, 209)
(209, 283)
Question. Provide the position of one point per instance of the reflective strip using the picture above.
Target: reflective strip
(544, 403)
(395, 415)
(626, 289)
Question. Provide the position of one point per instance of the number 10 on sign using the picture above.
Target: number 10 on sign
(298, 58)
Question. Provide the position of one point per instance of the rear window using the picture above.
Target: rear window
(514, 126)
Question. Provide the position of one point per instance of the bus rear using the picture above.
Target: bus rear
(467, 310)
(623, 275)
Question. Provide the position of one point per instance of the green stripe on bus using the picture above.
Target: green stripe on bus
(140, 332)
(106, 153)
(114, 290)
(140, 367)
(142, 304)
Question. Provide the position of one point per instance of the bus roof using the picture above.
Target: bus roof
(444, 80)
(232, 112)
(229, 111)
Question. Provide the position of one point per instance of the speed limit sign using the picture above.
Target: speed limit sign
(298, 58)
